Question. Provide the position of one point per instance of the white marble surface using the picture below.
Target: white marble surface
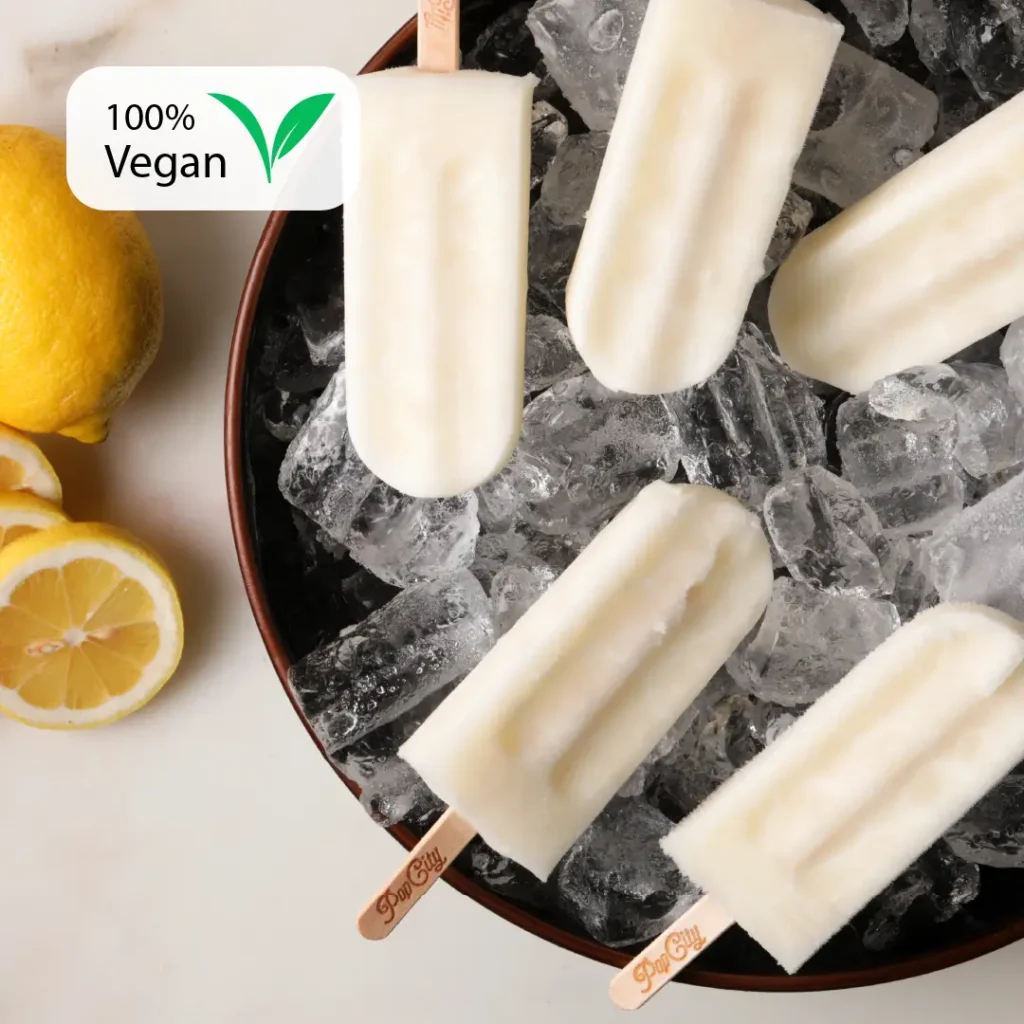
(199, 863)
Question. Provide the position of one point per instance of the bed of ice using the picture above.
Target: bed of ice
(878, 505)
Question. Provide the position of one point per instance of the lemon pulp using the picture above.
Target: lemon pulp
(9, 534)
(76, 636)
(12, 476)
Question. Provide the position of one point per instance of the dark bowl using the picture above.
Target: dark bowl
(306, 248)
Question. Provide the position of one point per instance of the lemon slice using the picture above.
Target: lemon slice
(23, 467)
(90, 626)
(22, 513)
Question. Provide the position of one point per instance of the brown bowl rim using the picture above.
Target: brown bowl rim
(240, 527)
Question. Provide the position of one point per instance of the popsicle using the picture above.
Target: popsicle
(802, 838)
(918, 270)
(529, 749)
(717, 106)
(435, 267)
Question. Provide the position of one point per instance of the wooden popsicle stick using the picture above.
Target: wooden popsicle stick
(422, 868)
(676, 948)
(438, 35)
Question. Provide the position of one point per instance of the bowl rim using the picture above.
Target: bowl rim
(234, 458)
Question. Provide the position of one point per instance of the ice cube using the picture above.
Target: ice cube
(919, 506)
(586, 451)
(365, 593)
(905, 469)
(499, 501)
(669, 745)
(939, 885)
(1011, 354)
(284, 413)
(515, 589)
(978, 557)
(552, 254)
(872, 123)
(588, 46)
(929, 27)
(914, 591)
(959, 106)
(808, 641)
(550, 130)
(557, 220)
(319, 551)
(886, 912)
(883, 21)
(750, 424)
(828, 536)
(617, 882)
(406, 540)
(524, 545)
(569, 185)
(323, 327)
(505, 876)
(795, 219)
(985, 350)
(921, 393)
(321, 473)
(979, 489)
(550, 354)
(426, 638)
(497, 551)
(402, 540)
(987, 40)
(728, 731)
(776, 722)
(506, 45)
(992, 833)
(284, 359)
(757, 312)
(391, 790)
(989, 415)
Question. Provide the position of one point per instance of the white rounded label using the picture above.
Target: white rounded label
(211, 138)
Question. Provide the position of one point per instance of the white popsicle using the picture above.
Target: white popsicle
(435, 270)
(920, 269)
(802, 838)
(542, 734)
(716, 109)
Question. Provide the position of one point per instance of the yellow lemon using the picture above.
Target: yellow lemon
(81, 304)
(23, 467)
(90, 626)
(22, 514)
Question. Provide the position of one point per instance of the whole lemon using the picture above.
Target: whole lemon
(81, 303)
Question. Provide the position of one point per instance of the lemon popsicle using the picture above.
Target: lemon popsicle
(918, 270)
(802, 838)
(541, 735)
(435, 270)
(716, 109)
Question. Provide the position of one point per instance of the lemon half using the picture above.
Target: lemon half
(22, 513)
(90, 626)
(23, 467)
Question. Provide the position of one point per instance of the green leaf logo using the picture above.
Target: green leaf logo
(294, 127)
(297, 123)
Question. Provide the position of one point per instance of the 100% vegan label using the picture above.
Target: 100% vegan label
(209, 138)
